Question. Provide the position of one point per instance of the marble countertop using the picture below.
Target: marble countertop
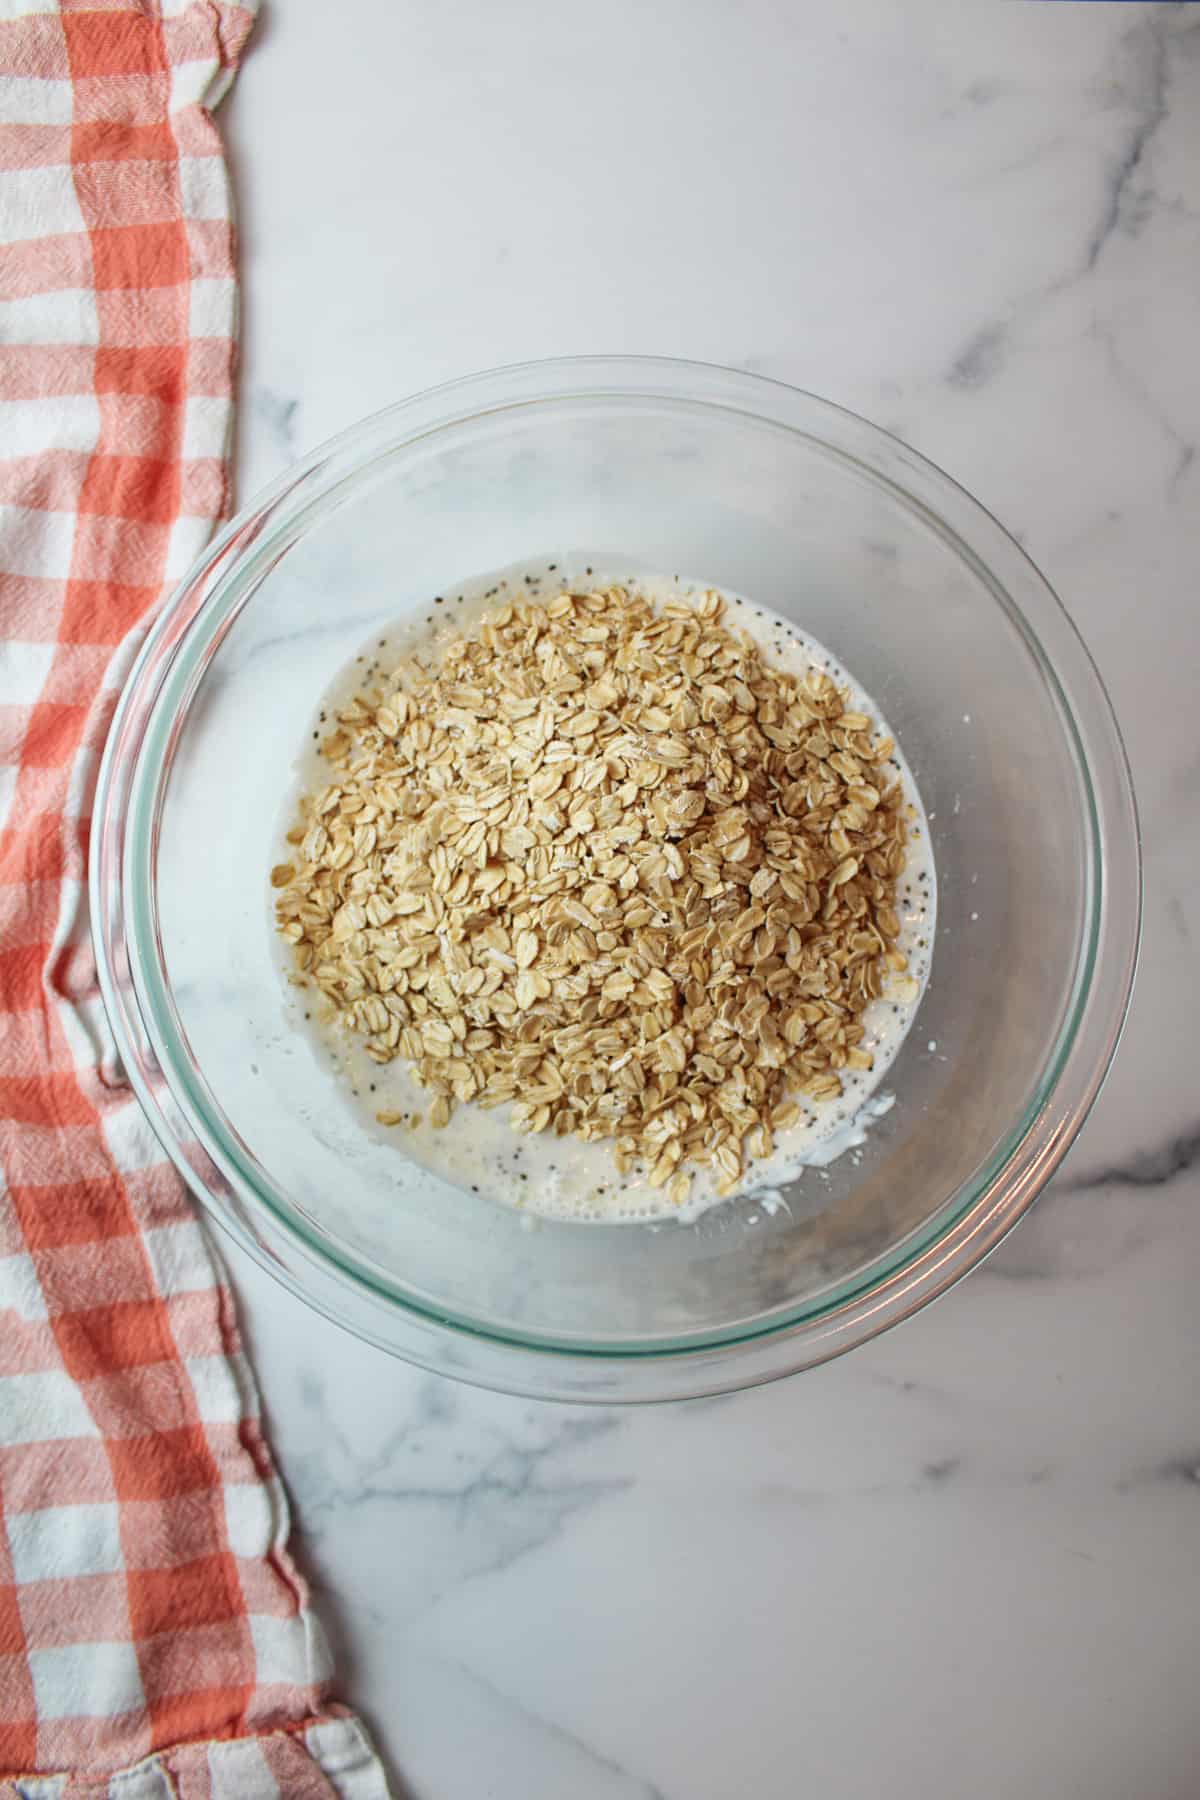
(962, 1560)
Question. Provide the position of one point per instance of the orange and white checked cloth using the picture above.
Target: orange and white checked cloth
(155, 1637)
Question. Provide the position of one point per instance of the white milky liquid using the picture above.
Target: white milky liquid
(564, 1178)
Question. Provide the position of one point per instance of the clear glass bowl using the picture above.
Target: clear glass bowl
(744, 484)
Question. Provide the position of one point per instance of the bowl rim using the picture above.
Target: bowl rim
(224, 1176)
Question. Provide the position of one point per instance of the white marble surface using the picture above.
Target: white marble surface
(963, 1560)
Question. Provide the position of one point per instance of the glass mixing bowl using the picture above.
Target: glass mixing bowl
(734, 481)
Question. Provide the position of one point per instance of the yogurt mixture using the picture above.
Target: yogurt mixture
(563, 1177)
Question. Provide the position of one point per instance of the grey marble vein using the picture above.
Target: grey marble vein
(1141, 74)
(944, 1469)
(980, 358)
(593, 1762)
(512, 1472)
(500, 1502)
(278, 412)
(1154, 1168)
(1180, 1471)
(1182, 449)
(1125, 204)
(938, 1473)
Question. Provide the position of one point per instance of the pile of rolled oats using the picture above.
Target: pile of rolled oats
(604, 865)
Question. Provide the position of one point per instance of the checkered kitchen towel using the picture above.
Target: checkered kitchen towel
(151, 1620)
